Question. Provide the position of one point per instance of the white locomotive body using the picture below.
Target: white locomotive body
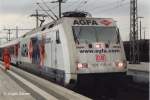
(73, 46)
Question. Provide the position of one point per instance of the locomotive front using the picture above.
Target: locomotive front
(99, 47)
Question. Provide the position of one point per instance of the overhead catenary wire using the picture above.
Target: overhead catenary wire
(49, 9)
(82, 5)
(53, 7)
(105, 5)
(112, 8)
(76, 3)
(46, 12)
(70, 6)
(79, 5)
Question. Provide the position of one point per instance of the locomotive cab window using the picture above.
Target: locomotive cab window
(57, 37)
(90, 34)
(118, 36)
(50, 26)
(43, 28)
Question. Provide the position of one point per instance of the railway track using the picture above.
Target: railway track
(125, 90)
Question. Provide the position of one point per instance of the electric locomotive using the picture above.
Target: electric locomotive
(73, 47)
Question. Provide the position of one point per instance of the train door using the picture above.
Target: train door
(60, 74)
(53, 49)
(50, 49)
(49, 59)
(53, 43)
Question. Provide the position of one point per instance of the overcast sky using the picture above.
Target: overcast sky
(17, 13)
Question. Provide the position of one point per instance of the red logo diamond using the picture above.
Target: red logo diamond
(105, 22)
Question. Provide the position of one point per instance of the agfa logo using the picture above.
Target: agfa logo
(105, 22)
(85, 22)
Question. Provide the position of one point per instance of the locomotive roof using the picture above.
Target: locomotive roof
(53, 23)
(50, 25)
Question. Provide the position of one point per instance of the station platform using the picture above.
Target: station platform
(10, 90)
(140, 72)
(16, 84)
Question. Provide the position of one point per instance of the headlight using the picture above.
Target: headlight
(82, 65)
(97, 45)
(79, 65)
(100, 45)
(121, 64)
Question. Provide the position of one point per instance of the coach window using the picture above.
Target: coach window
(57, 37)
(118, 36)
(43, 28)
(22, 50)
(50, 26)
(26, 50)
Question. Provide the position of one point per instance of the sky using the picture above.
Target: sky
(17, 13)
